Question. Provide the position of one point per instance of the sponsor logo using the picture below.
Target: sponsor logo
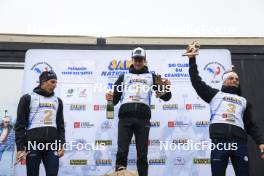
(83, 92)
(152, 106)
(179, 161)
(202, 123)
(195, 107)
(99, 107)
(180, 141)
(178, 71)
(41, 67)
(116, 68)
(201, 161)
(229, 117)
(78, 162)
(77, 107)
(138, 80)
(232, 100)
(80, 92)
(106, 125)
(155, 142)
(70, 92)
(204, 143)
(104, 142)
(155, 124)
(188, 106)
(83, 125)
(215, 70)
(157, 161)
(172, 124)
(170, 107)
(47, 105)
(131, 161)
(103, 162)
(76, 71)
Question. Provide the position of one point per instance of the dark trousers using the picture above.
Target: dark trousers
(49, 159)
(126, 129)
(239, 158)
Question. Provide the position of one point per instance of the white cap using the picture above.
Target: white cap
(139, 52)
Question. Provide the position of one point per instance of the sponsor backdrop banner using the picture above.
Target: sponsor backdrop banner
(7, 141)
(83, 78)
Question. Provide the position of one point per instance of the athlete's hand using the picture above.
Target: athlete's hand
(192, 49)
(167, 85)
(164, 90)
(60, 153)
(21, 155)
(261, 147)
(167, 82)
(109, 96)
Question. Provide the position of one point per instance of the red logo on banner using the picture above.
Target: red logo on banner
(96, 107)
(83, 93)
(224, 115)
(188, 106)
(77, 124)
(171, 124)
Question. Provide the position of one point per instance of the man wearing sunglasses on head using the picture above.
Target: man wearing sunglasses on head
(40, 120)
(230, 122)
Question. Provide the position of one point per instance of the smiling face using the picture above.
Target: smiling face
(231, 79)
(138, 63)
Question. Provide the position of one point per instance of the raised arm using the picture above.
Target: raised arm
(203, 90)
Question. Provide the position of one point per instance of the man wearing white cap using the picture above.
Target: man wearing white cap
(230, 122)
(134, 113)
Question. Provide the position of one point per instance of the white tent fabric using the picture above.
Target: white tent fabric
(173, 18)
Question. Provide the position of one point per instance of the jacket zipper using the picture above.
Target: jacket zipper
(47, 132)
(229, 131)
(136, 107)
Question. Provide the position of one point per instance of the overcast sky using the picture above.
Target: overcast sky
(172, 18)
